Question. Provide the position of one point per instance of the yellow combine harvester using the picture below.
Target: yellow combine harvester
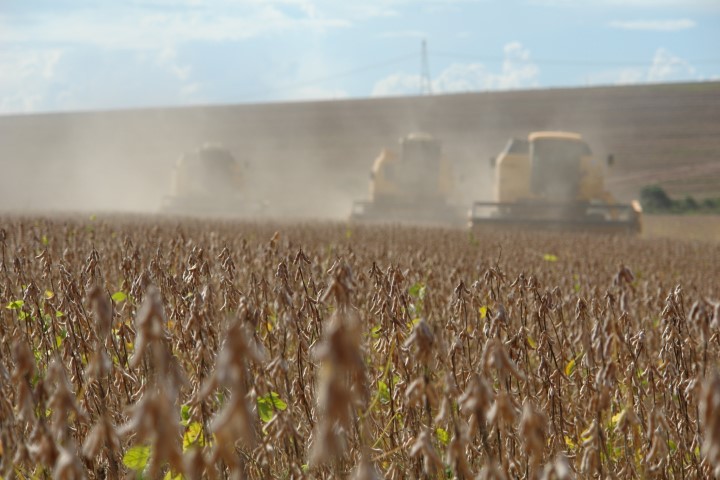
(413, 186)
(209, 181)
(552, 181)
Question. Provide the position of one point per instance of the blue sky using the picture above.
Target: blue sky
(61, 55)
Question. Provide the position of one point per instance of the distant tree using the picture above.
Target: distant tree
(689, 204)
(710, 203)
(654, 199)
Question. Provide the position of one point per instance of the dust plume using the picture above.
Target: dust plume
(309, 160)
(301, 161)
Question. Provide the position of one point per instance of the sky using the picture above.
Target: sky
(73, 55)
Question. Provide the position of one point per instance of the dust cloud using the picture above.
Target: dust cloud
(311, 160)
(301, 161)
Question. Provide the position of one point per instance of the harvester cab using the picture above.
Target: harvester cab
(210, 169)
(208, 181)
(412, 186)
(552, 181)
(415, 173)
(556, 168)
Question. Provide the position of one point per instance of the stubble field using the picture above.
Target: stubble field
(144, 348)
(704, 228)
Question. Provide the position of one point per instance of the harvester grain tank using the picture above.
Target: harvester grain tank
(209, 181)
(413, 186)
(552, 181)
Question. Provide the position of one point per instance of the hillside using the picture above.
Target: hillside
(313, 158)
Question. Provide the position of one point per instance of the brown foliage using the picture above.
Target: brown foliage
(298, 351)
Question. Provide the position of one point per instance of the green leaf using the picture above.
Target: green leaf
(483, 311)
(417, 291)
(531, 342)
(185, 415)
(170, 476)
(570, 367)
(383, 392)
(137, 457)
(267, 405)
(44, 240)
(193, 436)
(119, 297)
(549, 257)
(375, 331)
(15, 305)
(443, 436)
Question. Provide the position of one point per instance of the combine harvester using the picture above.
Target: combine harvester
(551, 181)
(209, 181)
(413, 187)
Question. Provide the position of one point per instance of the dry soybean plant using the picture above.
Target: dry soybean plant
(137, 348)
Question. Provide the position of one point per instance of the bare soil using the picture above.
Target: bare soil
(682, 227)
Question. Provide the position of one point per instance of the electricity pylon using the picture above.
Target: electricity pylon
(425, 79)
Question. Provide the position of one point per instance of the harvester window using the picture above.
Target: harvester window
(556, 167)
(517, 147)
(422, 154)
(419, 169)
(390, 172)
(212, 170)
(560, 148)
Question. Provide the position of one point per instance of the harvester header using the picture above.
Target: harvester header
(553, 181)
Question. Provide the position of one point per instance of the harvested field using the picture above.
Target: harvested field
(682, 227)
(228, 350)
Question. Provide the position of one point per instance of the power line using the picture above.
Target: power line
(569, 62)
(425, 78)
(319, 80)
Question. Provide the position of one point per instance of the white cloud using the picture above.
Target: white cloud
(155, 31)
(665, 67)
(403, 34)
(366, 10)
(629, 76)
(189, 90)
(134, 27)
(653, 4)
(168, 59)
(654, 25)
(397, 84)
(144, 24)
(316, 93)
(518, 71)
(25, 77)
